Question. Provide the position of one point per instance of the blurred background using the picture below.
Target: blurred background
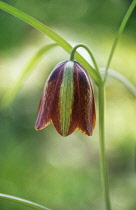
(63, 173)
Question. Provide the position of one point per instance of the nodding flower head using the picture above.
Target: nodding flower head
(67, 100)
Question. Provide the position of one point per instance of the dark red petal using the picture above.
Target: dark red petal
(86, 106)
(57, 107)
(47, 98)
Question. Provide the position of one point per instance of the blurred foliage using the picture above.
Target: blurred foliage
(63, 173)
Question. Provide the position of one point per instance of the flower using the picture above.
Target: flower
(67, 100)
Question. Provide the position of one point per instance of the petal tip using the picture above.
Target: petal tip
(88, 133)
(36, 128)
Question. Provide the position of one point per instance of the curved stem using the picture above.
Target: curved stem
(120, 31)
(103, 164)
(116, 75)
(91, 55)
(23, 201)
(50, 33)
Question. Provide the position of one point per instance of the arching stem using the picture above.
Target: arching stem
(103, 164)
(91, 55)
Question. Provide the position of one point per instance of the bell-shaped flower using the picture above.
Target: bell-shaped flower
(67, 100)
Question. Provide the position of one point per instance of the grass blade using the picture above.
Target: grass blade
(116, 75)
(50, 33)
(23, 201)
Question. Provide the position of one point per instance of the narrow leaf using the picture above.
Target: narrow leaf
(119, 33)
(23, 201)
(50, 33)
(116, 75)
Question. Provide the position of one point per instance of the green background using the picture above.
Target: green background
(63, 173)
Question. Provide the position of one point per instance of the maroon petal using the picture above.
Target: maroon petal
(86, 106)
(47, 98)
(65, 92)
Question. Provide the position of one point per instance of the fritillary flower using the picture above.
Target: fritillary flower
(67, 100)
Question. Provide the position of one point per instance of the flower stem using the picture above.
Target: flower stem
(91, 55)
(24, 202)
(103, 164)
(120, 31)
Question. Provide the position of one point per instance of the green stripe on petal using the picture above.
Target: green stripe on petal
(66, 97)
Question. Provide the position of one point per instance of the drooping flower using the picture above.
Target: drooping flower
(67, 100)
